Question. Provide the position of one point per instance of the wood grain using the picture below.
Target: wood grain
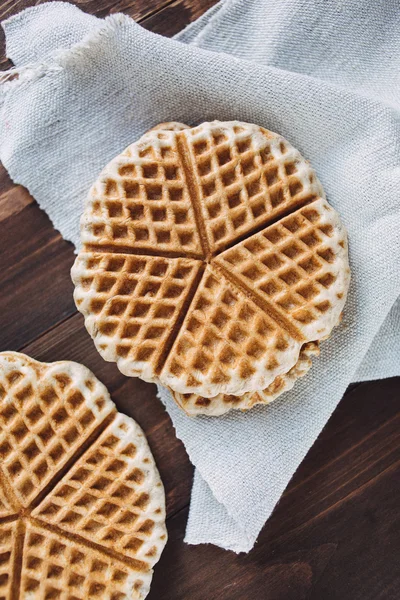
(36, 288)
(176, 15)
(101, 8)
(334, 534)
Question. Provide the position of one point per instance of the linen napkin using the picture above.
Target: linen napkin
(325, 74)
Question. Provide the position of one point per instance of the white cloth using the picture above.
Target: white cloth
(323, 73)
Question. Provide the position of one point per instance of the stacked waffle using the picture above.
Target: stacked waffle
(211, 263)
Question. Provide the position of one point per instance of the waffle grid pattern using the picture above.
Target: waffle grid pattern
(238, 178)
(246, 179)
(133, 302)
(44, 425)
(106, 495)
(8, 549)
(291, 265)
(224, 328)
(144, 199)
(96, 530)
(72, 572)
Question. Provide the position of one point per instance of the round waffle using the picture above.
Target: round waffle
(82, 508)
(210, 257)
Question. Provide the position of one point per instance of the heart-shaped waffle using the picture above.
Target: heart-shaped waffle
(82, 508)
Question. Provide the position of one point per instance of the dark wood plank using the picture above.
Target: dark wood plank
(334, 534)
(216, 574)
(5, 182)
(100, 8)
(36, 289)
(13, 198)
(174, 17)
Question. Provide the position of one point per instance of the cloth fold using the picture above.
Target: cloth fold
(316, 72)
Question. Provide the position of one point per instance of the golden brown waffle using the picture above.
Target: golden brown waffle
(58, 567)
(194, 404)
(10, 549)
(137, 300)
(144, 199)
(228, 311)
(244, 176)
(295, 268)
(83, 507)
(224, 338)
(6, 508)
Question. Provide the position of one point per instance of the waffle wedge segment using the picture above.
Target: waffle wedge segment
(132, 305)
(245, 177)
(57, 566)
(226, 343)
(141, 201)
(194, 405)
(113, 495)
(299, 266)
(10, 558)
(47, 412)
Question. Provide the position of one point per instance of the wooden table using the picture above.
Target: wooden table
(335, 533)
